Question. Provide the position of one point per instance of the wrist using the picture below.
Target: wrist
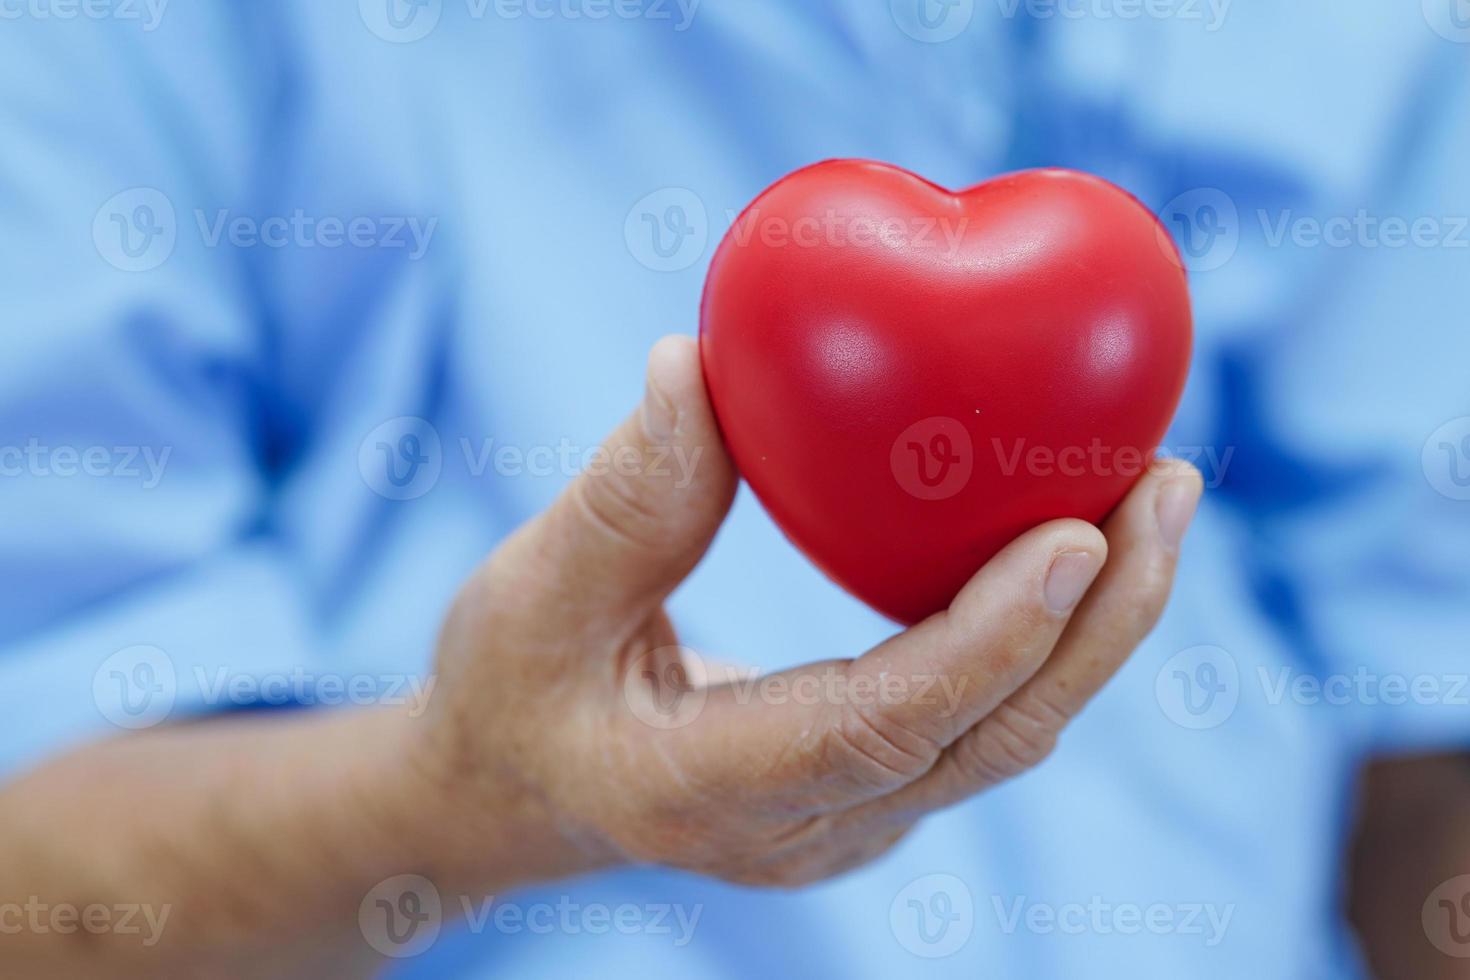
(471, 824)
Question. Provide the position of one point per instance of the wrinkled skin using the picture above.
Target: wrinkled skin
(564, 688)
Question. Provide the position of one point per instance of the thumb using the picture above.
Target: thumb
(643, 512)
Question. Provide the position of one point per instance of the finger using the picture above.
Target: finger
(1119, 611)
(1124, 606)
(630, 528)
(997, 633)
(837, 733)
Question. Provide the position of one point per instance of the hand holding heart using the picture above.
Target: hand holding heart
(562, 730)
(853, 379)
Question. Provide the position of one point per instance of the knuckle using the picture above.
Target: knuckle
(1171, 468)
(1017, 658)
(619, 506)
(1008, 658)
(870, 748)
(1016, 738)
(1007, 641)
(1149, 599)
(1034, 711)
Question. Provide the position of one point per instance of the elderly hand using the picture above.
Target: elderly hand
(566, 703)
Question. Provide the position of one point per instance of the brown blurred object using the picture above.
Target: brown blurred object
(1411, 843)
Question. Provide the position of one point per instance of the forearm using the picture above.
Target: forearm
(1413, 835)
(242, 846)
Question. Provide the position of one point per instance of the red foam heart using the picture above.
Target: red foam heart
(909, 377)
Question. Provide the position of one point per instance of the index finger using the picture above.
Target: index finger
(875, 724)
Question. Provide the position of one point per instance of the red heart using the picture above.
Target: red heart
(909, 377)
